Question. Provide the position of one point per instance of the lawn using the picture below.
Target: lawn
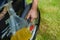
(50, 20)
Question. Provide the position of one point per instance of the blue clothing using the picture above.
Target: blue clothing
(2, 2)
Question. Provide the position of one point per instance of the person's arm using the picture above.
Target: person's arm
(33, 12)
(35, 4)
(3, 13)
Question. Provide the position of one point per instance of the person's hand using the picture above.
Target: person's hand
(33, 14)
(4, 10)
(3, 13)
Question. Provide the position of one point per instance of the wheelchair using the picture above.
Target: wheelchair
(16, 22)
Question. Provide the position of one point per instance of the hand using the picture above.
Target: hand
(33, 14)
(3, 13)
(4, 10)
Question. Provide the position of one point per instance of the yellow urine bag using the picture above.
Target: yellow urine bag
(23, 34)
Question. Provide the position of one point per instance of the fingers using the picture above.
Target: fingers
(32, 15)
(4, 10)
(32, 19)
(28, 16)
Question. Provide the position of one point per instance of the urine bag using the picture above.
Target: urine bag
(15, 22)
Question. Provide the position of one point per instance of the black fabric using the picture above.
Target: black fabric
(18, 5)
(3, 25)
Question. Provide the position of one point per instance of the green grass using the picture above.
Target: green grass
(50, 20)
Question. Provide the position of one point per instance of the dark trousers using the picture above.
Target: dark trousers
(18, 5)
